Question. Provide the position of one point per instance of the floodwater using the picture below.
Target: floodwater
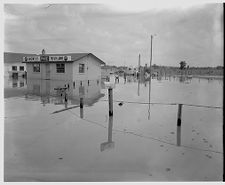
(48, 138)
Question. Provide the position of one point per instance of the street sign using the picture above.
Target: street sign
(109, 85)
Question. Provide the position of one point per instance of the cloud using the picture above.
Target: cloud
(192, 34)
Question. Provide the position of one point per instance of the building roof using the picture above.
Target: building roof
(10, 57)
(74, 57)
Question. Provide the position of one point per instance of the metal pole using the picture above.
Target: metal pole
(139, 63)
(151, 57)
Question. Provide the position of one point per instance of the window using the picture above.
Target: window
(60, 68)
(81, 68)
(36, 67)
(21, 68)
(14, 68)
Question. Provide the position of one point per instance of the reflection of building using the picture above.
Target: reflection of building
(72, 66)
(15, 82)
(90, 90)
(14, 87)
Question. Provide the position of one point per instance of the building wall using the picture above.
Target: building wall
(92, 69)
(61, 76)
(53, 75)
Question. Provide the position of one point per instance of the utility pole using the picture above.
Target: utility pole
(139, 62)
(149, 97)
(151, 57)
(151, 53)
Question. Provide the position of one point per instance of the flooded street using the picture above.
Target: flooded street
(49, 139)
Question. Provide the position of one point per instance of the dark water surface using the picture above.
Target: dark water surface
(140, 143)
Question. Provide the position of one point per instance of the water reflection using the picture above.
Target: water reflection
(138, 86)
(16, 82)
(64, 92)
(185, 79)
(178, 135)
(81, 112)
(149, 98)
(109, 144)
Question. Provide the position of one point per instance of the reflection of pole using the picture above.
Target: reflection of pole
(109, 144)
(110, 92)
(139, 86)
(178, 135)
(149, 97)
(110, 129)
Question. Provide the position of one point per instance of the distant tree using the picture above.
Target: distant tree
(219, 67)
(182, 65)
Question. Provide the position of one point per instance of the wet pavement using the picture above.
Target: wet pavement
(141, 142)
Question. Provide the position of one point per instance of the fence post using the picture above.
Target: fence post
(110, 93)
(179, 114)
(65, 97)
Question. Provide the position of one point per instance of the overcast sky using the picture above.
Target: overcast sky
(117, 34)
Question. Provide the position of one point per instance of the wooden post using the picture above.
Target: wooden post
(179, 114)
(65, 97)
(81, 103)
(110, 93)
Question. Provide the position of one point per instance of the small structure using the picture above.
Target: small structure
(72, 66)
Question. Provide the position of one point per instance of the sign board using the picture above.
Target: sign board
(59, 58)
(109, 85)
(31, 58)
(44, 58)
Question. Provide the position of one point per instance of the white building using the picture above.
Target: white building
(71, 67)
(17, 69)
